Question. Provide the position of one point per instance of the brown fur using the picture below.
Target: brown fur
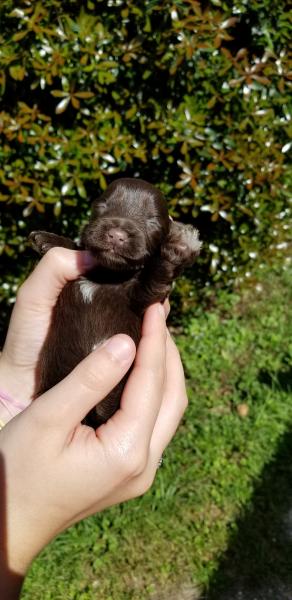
(138, 252)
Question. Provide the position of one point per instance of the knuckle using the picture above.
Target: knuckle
(133, 465)
(122, 465)
(155, 374)
(143, 484)
(139, 463)
(93, 379)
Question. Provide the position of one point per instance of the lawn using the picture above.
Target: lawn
(219, 511)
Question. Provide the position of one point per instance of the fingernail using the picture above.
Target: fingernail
(120, 347)
(161, 310)
(166, 307)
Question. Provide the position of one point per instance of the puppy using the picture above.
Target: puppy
(139, 252)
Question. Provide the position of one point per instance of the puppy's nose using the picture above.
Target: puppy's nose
(117, 236)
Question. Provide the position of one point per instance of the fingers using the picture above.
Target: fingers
(174, 402)
(69, 401)
(58, 266)
(143, 393)
(172, 408)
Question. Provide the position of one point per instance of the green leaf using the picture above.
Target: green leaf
(57, 208)
(84, 94)
(17, 72)
(81, 189)
(59, 94)
(19, 36)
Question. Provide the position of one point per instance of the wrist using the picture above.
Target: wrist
(26, 529)
(25, 539)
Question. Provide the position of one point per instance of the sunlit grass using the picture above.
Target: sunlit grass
(236, 359)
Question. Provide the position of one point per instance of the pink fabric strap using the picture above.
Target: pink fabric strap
(12, 406)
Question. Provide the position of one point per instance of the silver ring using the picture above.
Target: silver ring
(160, 462)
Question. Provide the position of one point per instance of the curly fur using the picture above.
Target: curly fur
(139, 251)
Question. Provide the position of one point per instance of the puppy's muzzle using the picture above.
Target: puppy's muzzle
(116, 238)
(120, 236)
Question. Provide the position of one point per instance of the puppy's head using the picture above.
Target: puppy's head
(128, 223)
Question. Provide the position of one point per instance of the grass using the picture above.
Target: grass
(223, 485)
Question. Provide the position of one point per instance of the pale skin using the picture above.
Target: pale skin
(57, 471)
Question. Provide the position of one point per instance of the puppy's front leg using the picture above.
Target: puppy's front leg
(42, 241)
(178, 251)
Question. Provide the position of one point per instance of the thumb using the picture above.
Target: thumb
(70, 400)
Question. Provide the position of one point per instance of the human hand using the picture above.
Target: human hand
(31, 317)
(58, 471)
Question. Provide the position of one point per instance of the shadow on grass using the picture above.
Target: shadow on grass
(258, 563)
(283, 380)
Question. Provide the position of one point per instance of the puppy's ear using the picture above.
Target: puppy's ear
(99, 205)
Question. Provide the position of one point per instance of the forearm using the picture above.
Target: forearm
(22, 537)
(25, 537)
(11, 577)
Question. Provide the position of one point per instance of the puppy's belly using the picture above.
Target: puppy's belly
(86, 314)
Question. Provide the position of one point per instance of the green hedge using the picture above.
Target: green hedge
(192, 96)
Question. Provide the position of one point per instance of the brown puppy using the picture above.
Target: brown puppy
(139, 251)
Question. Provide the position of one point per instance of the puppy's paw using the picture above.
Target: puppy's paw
(42, 241)
(182, 244)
